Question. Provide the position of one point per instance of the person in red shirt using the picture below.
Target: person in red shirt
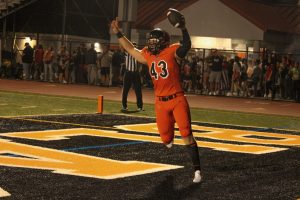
(39, 63)
(187, 76)
(170, 103)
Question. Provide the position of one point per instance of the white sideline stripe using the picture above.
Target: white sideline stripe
(3, 193)
(28, 107)
(62, 109)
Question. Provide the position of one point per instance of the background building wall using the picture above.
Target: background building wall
(214, 19)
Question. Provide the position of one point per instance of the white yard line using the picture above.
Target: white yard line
(62, 109)
(25, 107)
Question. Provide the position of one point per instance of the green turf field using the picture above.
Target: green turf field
(17, 104)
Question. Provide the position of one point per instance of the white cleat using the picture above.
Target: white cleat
(197, 177)
(170, 144)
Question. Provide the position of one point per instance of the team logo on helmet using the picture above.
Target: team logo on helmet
(158, 40)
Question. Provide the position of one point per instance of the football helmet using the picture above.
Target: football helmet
(158, 40)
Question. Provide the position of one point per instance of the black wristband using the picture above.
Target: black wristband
(120, 34)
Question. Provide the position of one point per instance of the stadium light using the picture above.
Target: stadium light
(27, 39)
(97, 47)
(251, 49)
(211, 42)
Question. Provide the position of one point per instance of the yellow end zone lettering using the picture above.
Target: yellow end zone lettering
(223, 134)
(226, 134)
(65, 133)
(248, 136)
(73, 164)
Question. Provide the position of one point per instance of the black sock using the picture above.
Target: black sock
(193, 152)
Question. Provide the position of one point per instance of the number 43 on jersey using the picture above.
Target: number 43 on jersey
(164, 70)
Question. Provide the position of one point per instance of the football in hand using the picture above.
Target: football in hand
(175, 18)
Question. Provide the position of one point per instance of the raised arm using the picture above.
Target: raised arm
(126, 44)
(185, 46)
(177, 20)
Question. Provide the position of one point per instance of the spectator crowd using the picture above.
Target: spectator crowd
(271, 76)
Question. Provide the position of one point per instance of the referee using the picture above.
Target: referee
(132, 77)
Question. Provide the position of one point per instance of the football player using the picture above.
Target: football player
(171, 105)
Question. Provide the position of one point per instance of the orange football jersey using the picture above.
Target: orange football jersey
(164, 71)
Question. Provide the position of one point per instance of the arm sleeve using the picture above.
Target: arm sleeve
(186, 44)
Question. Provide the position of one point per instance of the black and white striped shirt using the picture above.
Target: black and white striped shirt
(130, 63)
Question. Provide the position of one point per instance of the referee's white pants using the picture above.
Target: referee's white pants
(92, 73)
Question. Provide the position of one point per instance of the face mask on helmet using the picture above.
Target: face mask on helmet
(157, 41)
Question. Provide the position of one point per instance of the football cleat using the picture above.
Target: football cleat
(170, 144)
(197, 177)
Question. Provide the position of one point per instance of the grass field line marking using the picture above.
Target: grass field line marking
(25, 107)
(3, 193)
(47, 95)
(60, 109)
(103, 146)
